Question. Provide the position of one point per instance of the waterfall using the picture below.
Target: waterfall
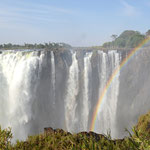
(60, 89)
(29, 88)
(19, 90)
(72, 92)
(86, 102)
(107, 113)
(53, 74)
(114, 91)
(102, 70)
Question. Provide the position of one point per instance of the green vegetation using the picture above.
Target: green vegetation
(127, 39)
(61, 140)
(52, 46)
(148, 33)
(5, 139)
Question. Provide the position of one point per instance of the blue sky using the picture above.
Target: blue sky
(76, 22)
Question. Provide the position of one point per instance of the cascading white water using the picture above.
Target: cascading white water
(15, 71)
(102, 70)
(53, 74)
(86, 102)
(31, 82)
(114, 91)
(107, 113)
(71, 94)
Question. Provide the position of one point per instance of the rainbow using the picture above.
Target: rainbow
(114, 74)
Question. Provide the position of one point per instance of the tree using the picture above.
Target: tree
(148, 33)
(127, 39)
(114, 36)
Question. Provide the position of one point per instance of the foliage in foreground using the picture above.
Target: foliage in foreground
(61, 140)
(5, 138)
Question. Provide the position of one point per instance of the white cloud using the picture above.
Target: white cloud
(37, 13)
(37, 8)
(129, 10)
(10, 17)
(30, 23)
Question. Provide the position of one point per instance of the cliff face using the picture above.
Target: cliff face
(133, 99)
(61, 89)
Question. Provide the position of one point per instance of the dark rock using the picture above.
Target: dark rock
(48, 130)
(94, 135)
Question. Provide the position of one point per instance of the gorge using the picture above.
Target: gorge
(60, 89)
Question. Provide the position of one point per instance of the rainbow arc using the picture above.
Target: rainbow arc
(112, 77)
